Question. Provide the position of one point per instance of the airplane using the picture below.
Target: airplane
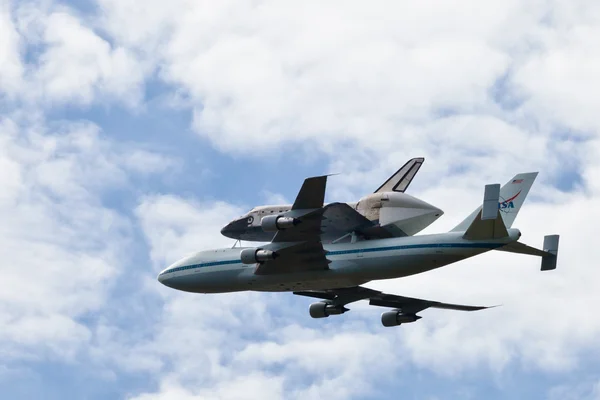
(388, 212)
(297, 261)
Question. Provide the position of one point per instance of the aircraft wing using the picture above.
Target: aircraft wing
(407, 305)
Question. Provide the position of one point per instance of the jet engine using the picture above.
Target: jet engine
(253, 256)
(274, 223)
(323, 309)
(395, 318)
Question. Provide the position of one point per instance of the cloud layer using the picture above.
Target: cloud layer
(483, 91)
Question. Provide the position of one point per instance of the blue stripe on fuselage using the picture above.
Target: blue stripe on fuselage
(418, 246)
(354, 251)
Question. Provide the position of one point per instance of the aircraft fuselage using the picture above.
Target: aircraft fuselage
(352, 264)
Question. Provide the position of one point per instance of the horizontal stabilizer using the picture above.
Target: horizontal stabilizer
(521, 248)
(549, 254)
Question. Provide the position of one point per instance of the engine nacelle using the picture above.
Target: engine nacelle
(274, 223)
(322, 310)
(253, 256)
(395, 318)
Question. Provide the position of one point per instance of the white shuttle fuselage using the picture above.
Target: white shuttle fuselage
(399, 213)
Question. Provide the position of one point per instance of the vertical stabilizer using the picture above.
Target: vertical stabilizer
(403, 177)
(550, 247)
(511, 198)
(488, 224)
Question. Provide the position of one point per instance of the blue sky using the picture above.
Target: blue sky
(130, 135)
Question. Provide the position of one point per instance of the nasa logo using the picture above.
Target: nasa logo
(506, 204)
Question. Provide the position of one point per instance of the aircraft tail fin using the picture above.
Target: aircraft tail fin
(403, 177)
(488, 224)
(509, 199)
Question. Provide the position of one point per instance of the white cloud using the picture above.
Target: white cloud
(274, 198)
(61, 247)
(262, 75)
(174, 226)
(78, 64)
(148, 162)
(244, 387)
(11, 68)
(559, 78)
(482, 90)
(68, 62)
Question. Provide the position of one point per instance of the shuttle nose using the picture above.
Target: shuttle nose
(226, 230)
(235, 228)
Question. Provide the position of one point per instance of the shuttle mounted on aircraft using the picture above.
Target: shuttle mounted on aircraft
(388, 212)
(298, 260)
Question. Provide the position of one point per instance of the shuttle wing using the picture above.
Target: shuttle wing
(312, 193)
(299, 248)
(341, 219)
(406, 305)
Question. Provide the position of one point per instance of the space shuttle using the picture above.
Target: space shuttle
(387, 212)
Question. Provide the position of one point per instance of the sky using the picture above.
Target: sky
(131, 133)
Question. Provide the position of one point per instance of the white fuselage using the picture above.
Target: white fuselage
(399, 213)
(352, 264)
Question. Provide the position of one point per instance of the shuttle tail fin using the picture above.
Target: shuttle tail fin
(403, 177)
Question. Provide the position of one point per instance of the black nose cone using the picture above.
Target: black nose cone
(235, 229)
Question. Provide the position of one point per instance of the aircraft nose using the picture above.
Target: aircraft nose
(166, 274)
(167, 279)
(162, 276)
